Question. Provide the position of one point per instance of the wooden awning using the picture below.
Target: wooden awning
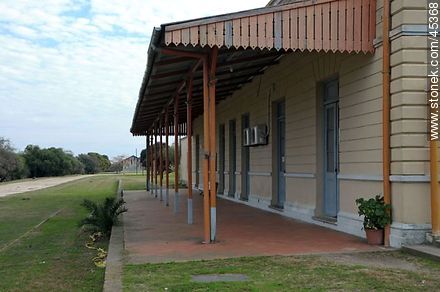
(341, 25)
(249, 42)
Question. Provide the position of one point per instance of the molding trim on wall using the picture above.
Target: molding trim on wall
(393, 178)
(404, 30)
(299, 175)
(359, 177)
(257, 173)
(410, 178)
(409, 30)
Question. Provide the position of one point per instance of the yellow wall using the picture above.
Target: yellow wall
(297, 78)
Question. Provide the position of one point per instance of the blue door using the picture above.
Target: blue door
(245, 163)
(232, 158)
(281, 155)
(221, 170)
(331, 148)
(197, 150)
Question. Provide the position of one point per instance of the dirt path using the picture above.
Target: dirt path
(35, 184)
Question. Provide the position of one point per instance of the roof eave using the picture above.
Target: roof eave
(154, 43)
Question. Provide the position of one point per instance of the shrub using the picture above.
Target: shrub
(102, 216)
(376, 212)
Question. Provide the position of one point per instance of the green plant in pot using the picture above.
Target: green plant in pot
(376, 216)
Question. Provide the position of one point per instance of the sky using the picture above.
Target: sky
(70, 70)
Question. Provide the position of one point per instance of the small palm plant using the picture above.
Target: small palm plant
(102, 216)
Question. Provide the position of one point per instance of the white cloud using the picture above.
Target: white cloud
(70, 70)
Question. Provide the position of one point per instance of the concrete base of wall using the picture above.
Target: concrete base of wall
(351, 223)
(408, 234)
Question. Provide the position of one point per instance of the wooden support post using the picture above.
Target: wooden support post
(151, 164)
(147, 161)
(176, 154)
(160, 159)
(435, 196)
(155, 160)
(206, 204)
(386, 106)
(189, 140)
(167, 160)
(212, 143)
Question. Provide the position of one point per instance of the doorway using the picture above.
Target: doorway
(221, 165)
(232, 157)
(331, 148)
(197, 161)
(245, 161)
(280, 149)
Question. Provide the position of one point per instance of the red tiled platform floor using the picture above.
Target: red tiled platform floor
(153, 233)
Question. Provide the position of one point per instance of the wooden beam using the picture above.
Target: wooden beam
(189, 140)
(176, 154)
(212, 143)
(161, 158)
(249, 59)
(206, 149)
(147, 161)
(182, 85)
(167, 74)
(151, 164)
(155, 160)
(167, 160)
(171, 61)
(226, 70)
(181, 53)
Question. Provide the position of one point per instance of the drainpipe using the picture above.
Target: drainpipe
(386, 111)
(435, 197)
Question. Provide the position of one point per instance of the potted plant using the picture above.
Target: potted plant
(376, 216)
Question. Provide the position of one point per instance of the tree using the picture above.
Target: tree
(12, 165)
(116, 165)
(51, 161)
(143, 158)
(91, 163)
(104, 162)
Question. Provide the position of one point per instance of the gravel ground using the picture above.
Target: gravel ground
(35, 184)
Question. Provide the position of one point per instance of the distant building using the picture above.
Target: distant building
(131, 164)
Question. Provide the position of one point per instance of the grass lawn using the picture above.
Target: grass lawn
(287, 274)
(53, 257)
(132, 182)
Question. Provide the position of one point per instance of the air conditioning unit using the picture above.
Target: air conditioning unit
(247, 137)
(259, 135)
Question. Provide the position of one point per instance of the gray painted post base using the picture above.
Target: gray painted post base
(167, 197)
(190, 211)
(213, 222)
(176, 202)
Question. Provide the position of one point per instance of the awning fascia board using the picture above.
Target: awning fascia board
(314, 25)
